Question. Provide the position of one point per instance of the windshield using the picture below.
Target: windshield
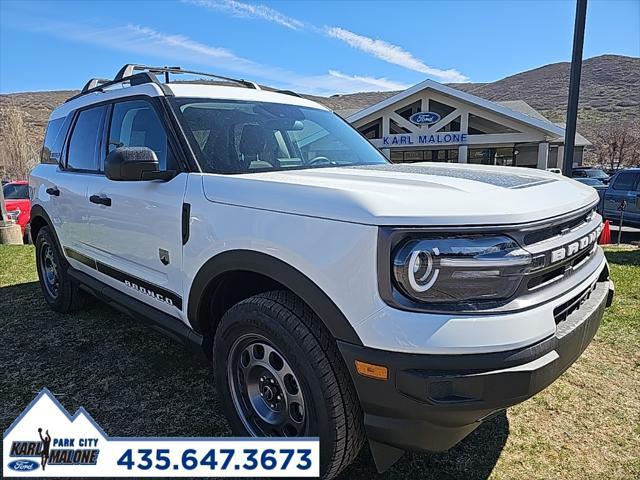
(596, 173)
(243, 137)
(15, 191)
(590, 181)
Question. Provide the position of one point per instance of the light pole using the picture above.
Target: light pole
(574, 87)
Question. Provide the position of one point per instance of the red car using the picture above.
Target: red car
(16, 196)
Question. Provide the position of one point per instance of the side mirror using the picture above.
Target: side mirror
(134, 164)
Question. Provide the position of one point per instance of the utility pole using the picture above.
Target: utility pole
(574, 87)
(3, 207)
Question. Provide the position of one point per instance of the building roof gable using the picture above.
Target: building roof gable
(534, 121)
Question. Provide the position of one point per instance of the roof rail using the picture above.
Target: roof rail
(289, 92)
(93, 83)
(97, 85)
(148, 75)
(131, 68)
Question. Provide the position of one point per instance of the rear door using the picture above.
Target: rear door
(624, 188)
(67, 203)
(136, 230)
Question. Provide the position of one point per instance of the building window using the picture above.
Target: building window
(440, 108)
(413, 156)
(396, 156)
(406, 112)
(394, 128)
(372, 129)
(503, 156)
(479, 156)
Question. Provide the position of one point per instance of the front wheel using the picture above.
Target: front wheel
(279, 374)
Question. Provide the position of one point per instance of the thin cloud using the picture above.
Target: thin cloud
(246, 10)
(392, 54)
(180, 49)
(383, 84)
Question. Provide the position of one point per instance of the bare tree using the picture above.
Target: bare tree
(618, 144)
(18, 154)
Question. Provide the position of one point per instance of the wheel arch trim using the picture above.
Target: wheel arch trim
(278, 271)
(38, 212)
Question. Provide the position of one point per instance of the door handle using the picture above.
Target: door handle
(106, 201)
(53, 191)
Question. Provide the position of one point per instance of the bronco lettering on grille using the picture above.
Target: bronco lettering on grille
(573, 248)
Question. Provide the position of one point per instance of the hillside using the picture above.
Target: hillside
(610, 92)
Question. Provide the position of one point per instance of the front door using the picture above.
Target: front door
(136, 234)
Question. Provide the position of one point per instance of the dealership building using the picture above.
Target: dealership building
(431, 122)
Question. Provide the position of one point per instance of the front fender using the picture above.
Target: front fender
(277, 270)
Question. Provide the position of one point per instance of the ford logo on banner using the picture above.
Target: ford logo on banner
(424, 118)
(23, 465)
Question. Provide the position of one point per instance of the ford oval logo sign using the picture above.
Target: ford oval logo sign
(23, 465)
(424, 118)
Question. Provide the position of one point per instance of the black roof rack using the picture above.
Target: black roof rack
(289, 92)
(149, 75)
(129, 69)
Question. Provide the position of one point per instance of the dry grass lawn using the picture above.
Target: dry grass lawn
(134, 381)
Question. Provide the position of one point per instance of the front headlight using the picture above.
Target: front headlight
(460, 269)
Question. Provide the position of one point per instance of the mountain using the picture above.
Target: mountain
(609, 93)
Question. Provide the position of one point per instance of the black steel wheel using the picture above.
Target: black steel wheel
(279, 374)
(50, 269)
(265, 389)
(59, 290)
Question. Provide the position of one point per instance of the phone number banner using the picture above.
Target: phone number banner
(45, 441)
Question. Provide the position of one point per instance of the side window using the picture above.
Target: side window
(624, 181)
(136, 124)
(84, 146)
(16, 191)
(54, 139)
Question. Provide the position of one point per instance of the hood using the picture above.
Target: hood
(406, 194)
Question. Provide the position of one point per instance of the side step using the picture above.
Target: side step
(164, 323)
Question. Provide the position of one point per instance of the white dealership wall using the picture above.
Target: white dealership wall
(469, 124)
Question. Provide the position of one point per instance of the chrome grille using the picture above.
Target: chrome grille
(562, 248)
(556, 230)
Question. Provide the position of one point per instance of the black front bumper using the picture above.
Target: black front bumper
(431, 402)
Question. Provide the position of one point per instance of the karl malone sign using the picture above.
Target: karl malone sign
(419, 139)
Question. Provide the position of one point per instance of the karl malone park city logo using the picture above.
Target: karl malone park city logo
(46, 441)
(46, 437)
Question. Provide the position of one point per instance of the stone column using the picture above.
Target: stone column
(463, 150)
(543, 155)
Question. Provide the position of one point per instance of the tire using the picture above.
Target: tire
(59, 290)
(327, 405)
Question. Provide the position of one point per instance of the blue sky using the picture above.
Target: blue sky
(308, 46)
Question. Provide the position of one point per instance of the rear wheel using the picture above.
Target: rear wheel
(279, 374)
(59, 290)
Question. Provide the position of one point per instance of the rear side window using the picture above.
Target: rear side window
(84, 146)
(16, 191)
(136, 124)
(625, 181)
(54, 139)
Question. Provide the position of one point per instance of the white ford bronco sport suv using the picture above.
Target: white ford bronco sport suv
(338, 295)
